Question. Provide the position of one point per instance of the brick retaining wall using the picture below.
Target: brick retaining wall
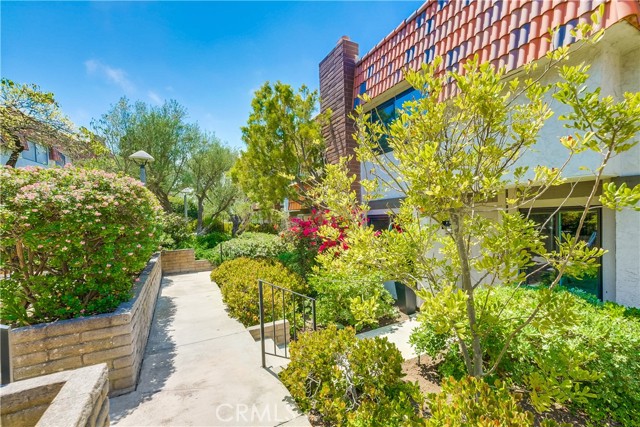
(183, 261)
(117, 339)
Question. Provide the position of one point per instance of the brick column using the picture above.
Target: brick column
(337, 72)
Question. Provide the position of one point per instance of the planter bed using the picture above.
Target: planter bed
(117, 339)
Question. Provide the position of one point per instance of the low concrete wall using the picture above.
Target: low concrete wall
(117, 339)
(75, 398)
(183, 261)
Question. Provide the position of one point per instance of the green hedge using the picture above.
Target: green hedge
(205, 244)
(599, 340)
(73, 241)
(249, 245)
(238, 281)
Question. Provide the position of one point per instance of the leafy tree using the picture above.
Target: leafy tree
(206, 174)
(29, 114)
(160, 131)
(453, 158)
(285, 149)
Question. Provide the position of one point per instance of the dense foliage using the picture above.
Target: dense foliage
(250, 245)
(238, 281)
(72, 241)
(358, 299)
(284, 144)
(348, 381)
(578, 353)
(176, 233)
(473, 402)
(205, 244)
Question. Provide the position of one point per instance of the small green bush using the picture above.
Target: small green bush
(351, 382)
(73, 240)
(472, 402)
(238, 280)
(587, 359)
(176, 233)
(249, 245)
(357, 300)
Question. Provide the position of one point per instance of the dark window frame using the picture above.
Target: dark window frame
(599, 237)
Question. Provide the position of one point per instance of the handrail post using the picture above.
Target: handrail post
(261, 303)
(313, 309)
(6, 371)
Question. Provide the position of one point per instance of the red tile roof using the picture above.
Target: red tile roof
(508, 33)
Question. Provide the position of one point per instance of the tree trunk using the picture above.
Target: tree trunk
(235, 221)
(15, 155)
(200, 214)
(457, 229)
(163, 197)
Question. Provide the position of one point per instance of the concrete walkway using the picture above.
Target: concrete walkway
(398, 334)
(202, 368)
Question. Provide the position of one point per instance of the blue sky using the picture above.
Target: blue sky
(209, 56)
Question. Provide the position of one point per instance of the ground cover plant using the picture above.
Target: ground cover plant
(587, 356)
(250, 245)
(72, 241)
(238, 281)
(350, 381)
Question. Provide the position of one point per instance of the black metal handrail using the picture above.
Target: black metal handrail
(288, 329)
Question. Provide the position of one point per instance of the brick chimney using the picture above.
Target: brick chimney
(337, 72)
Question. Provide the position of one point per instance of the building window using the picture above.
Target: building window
(379, 222)
(36, 153)
(566, 221)
(370, 71)
(29, 153)
(387, 112)
(420, 19)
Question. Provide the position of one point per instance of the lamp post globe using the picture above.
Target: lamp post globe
(142, 158)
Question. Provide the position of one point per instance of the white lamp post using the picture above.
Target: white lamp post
(186, 192)
(142, 158)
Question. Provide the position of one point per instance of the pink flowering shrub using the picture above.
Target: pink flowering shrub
(304, 235)
(73, 241)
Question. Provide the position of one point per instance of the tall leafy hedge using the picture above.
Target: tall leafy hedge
(73, 241)
(249, 245)
(238, 281)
